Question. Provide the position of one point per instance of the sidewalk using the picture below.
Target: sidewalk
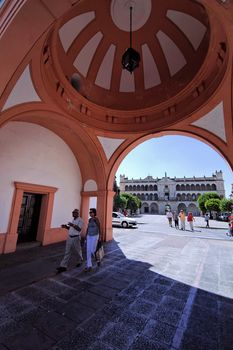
(153, 291)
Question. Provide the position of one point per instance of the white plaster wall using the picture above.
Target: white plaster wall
(30, 153)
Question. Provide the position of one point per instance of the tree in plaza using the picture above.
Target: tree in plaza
(133, 202)
(204, 197)
(213, 204)
(119, 202)
(226, 204)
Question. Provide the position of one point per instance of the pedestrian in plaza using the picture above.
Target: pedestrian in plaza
(176, 219)
(169, 217)
(230, 223)
(73, 241)
(92, 235)
(182, 220)
(207, 219)
(190, 220)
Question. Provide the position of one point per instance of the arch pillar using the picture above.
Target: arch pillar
(104, 208)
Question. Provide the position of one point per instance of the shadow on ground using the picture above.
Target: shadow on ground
(121, 305)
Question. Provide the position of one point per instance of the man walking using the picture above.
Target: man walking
(169, 217)
(73, 241)
(207, 219)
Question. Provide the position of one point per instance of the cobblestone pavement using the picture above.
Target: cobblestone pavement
(157, 288)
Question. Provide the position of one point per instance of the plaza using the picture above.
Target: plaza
(157, 288)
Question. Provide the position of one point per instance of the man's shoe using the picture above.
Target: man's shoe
(61, 269)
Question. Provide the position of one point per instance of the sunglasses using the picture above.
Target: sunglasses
(91, 212)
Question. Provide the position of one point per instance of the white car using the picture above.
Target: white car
(121, 220)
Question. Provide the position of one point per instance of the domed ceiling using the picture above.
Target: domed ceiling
(171, 36)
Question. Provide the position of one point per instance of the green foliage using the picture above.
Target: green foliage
(204, 197)
(213, 204)
(119, 202)
(133, 202)
(226, 204)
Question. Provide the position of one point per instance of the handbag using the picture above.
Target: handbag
(99, 253)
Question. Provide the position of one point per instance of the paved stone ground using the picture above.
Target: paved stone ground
(157, 288)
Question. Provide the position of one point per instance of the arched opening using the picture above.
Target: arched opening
(189, 175)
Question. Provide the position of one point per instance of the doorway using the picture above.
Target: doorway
(29, 217)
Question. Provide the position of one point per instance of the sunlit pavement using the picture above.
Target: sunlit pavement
(157, 288)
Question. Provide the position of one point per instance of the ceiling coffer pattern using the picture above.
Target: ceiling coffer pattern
(178, 39)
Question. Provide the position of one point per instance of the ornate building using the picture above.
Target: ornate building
(158, 195)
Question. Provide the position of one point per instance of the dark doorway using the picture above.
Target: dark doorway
(29, 217)
(146, 210)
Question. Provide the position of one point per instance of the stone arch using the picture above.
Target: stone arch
(154, 209)
(144, 208)
(182, 206)
(193, 209)
(183, 196)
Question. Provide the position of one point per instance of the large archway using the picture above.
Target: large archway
(65, 75)
(186, 194)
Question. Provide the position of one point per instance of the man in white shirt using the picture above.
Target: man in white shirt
(73, 241)
(169, 217)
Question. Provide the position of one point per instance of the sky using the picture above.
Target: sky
(177, 156)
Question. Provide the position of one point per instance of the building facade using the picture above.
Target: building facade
(158, 195)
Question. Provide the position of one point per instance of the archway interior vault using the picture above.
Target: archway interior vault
(66, 76)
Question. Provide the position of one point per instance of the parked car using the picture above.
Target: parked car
(224, 216)
(122, 220)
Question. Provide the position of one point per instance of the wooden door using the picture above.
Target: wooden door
(29, 217)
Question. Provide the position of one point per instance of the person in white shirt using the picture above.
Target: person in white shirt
(169, 217)
(73, 242)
